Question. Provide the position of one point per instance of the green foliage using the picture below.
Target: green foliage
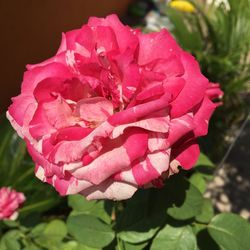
(230, 231)
(187, 199)
(207, 212)
(174, 217)
(99, 209)
(128, 246)
(204, 161)
(139, 220)
(149, 210)
(51, 234)
(10, 240)
(172, 238)
(203, 172)
(89, 230)
(73, 245)
(17, 171)
(199, 182)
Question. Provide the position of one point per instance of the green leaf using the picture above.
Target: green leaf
(99, 209)
(149, 209)
(186, 198)
(73, 245)
(204, 161)
(83, 247)
(89, 230)
(173, 238)
(55, 230)
(198, 181)
(207, 212)
(79, 203)
(49, 235)
(10, 241)
(129, 246)
(31, 247)
(139, 221)
(38, 230)
(230, 231)
(140, 231)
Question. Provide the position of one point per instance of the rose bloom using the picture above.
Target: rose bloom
(113, 110)
(10, 201)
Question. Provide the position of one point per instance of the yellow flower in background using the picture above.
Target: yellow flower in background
(182, 5)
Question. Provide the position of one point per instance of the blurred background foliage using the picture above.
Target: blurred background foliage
(178, 216)
(17, 171)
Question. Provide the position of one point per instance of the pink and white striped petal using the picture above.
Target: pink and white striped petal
(146, 170)
(158, 124)
(118, 155)
(110, 189)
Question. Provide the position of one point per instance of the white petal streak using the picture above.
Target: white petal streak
(157, 142)
(159, 124)
(160, 161)
(114, 190)
(104, 166)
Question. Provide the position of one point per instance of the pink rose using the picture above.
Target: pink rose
(113, 110)
(10, 201)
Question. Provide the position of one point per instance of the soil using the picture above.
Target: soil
(230, 187)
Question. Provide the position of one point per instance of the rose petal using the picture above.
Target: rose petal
(95, 109)
(194, 89)
(186, 154)
(146, 170)
(118, 155)
(156, 45)
(109, 189)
